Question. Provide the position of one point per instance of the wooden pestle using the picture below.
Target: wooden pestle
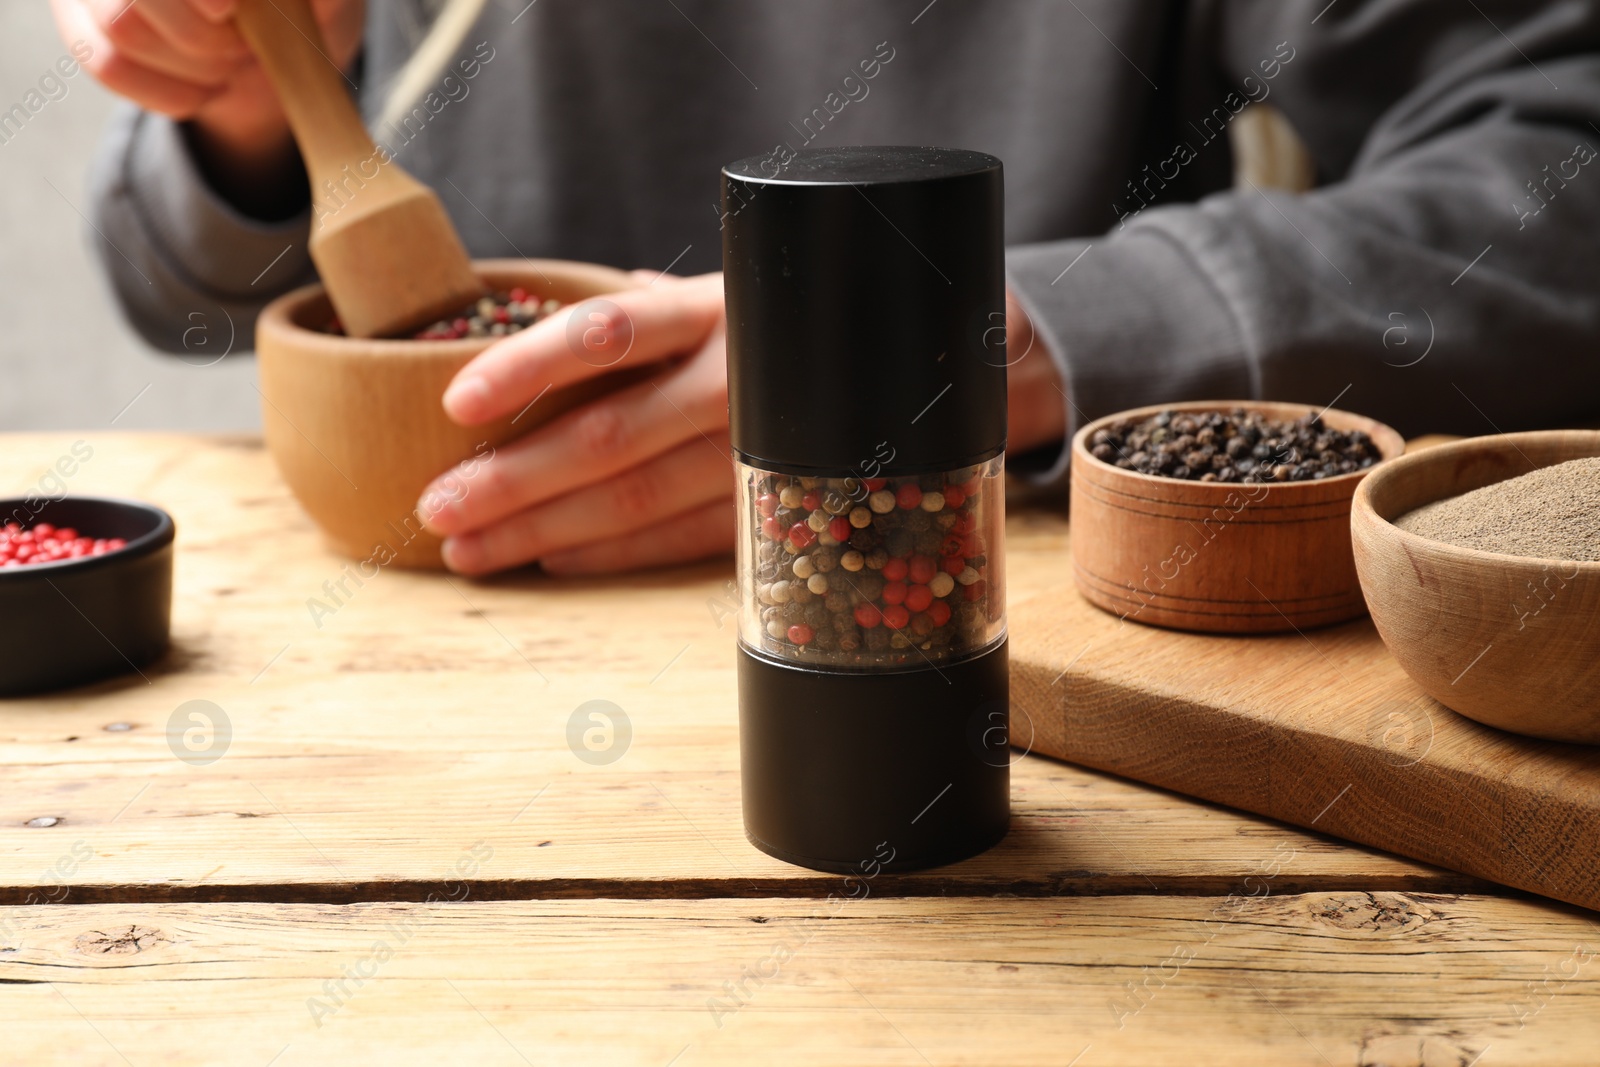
(387, 252)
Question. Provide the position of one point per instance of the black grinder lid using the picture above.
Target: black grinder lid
(866, 309)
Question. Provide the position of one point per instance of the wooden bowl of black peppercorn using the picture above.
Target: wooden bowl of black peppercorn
(1222, 516)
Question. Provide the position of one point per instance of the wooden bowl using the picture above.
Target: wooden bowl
(1218, 557)
(1510, 641)
(357, 427)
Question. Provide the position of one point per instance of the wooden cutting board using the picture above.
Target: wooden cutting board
(1321, 729)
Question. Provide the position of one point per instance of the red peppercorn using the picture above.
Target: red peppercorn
(922, 569)
(939, 612)
(896, 616)
(894, 592)
(965, 524)
(811, 501)
(46, 544)
(840, 528)
(954, 496)
(772, 528)
(908, 496)
(874, 484)
(895, 570)
(801, 535)
(868, 615)
(767, 504)
(953, 565)
(969, 488)
(975, 591)
(918, 597)
(519, 294)
(801, 634)
(972, 545)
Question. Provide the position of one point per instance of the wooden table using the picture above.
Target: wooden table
(399, 858)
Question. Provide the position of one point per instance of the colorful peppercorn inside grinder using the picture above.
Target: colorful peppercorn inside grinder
(867, 400)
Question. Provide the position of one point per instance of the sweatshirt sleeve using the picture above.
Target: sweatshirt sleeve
(172, 248)
(1441, 278)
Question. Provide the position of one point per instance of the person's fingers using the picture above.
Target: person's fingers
(136, 37)
(1036, 397)
(651, 277)
(121, 73)
(341, 23)
(699, 534)
(603, 438)
(190, 32)
(216, 10)
(584, 341)
(634, 501)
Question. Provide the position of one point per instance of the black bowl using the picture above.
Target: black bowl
(75, 621)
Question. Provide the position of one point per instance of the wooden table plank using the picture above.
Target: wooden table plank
(1314, 979)
(425, 714)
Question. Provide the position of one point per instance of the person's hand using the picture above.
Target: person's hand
(185, 59)
(1035, 395)
(639, 477)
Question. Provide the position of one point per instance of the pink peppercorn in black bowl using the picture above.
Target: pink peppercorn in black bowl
(76, 620)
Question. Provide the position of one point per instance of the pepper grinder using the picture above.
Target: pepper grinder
(867, 404)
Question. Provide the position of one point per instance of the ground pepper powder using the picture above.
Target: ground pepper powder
(1551, 513)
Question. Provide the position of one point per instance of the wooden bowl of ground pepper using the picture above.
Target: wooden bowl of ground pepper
(357, 426)
(1481, 563)
(1222, 516)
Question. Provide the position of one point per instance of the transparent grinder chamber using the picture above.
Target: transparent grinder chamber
(860, 573)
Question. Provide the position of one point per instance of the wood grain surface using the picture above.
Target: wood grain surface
(408, 759)
(428, 712)
(1352, 978)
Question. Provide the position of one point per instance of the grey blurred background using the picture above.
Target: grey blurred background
(67, 359)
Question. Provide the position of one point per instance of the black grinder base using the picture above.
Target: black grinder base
(842, 769)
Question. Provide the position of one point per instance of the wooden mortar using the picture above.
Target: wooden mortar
(357, 426)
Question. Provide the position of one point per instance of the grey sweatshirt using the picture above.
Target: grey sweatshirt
(1443, 276)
